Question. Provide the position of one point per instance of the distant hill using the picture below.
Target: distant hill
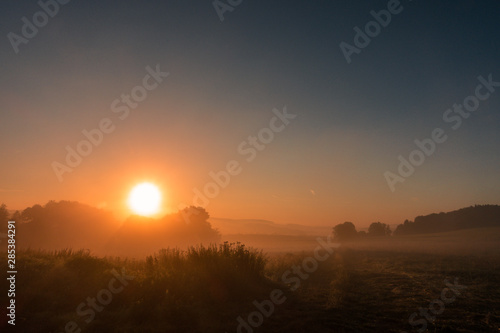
(478, 216)
(265, 227)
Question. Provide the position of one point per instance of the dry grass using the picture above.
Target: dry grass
(360, 288)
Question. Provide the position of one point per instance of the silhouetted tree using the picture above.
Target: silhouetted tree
(142, 235)
(379, 229)
(194, 215)
(404, 229)
(4, 214)
(478, 216)
(65, 224)
(33, 213)
(196, 219)
(16, 216)
(344, 232)
(4, 217)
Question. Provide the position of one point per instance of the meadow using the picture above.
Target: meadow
(364, 287)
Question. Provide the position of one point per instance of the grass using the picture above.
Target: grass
(370, 290)
(171, 291)
(205, 288)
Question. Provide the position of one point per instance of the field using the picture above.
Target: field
(377, 291)
(368, 287)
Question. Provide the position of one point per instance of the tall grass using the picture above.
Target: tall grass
(172, 290)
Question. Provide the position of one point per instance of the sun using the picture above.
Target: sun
(145, 199)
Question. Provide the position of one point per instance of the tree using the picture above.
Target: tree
(196, 221)
(33, 213)
(64, 224)
(344, 232)
(478, 216)
(378, 229)
(4, 214)
(16, 216)
(4, 217)
(404, 229)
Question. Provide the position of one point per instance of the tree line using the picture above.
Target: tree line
(68, 224)
(477, 216)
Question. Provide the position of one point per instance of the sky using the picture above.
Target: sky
(310, 135)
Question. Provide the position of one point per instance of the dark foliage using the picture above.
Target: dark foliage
(478, 216)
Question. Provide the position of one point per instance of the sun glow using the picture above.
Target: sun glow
(145, 199)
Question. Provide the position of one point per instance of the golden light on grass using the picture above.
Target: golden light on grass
(145, 199)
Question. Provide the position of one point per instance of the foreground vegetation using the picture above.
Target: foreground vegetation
(201, 289)
(205, 289)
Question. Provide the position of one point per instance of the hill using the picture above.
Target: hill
(478, 216)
